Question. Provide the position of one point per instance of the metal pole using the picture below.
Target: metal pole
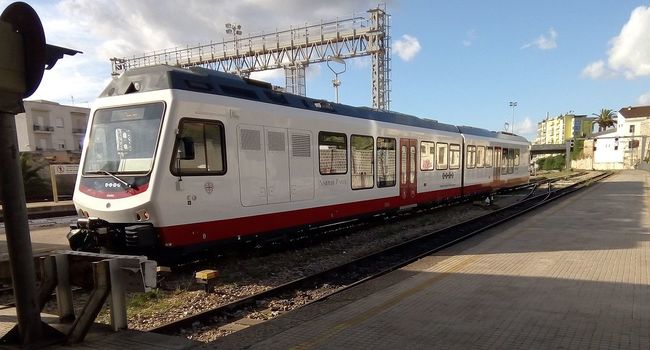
(17, 231)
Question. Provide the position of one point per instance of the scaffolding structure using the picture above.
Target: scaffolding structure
(292, 50)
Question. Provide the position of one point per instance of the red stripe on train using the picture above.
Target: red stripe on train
(128, 192)
(188, 234)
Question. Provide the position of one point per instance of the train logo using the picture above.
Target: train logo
(209, 187)
(449, 175)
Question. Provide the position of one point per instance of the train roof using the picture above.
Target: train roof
(208, 81)
(470, 130)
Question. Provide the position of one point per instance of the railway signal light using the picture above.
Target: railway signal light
(572, 142)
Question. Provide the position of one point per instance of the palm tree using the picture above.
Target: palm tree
(605, 119)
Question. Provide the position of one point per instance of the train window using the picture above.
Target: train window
(471, 157)
(488, 157)
(403, 165)
(454, 156)
(209, 149)
(441, 150)
(412, 166)
(332, 150)
(504, 161)
(511, 160)
(480, 156)
(362, 152)
(386, 155)
(517, 157)
(427, 155)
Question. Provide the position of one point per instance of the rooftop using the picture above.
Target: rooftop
(635, 112)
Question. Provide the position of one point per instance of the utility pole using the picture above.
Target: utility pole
(23, 58)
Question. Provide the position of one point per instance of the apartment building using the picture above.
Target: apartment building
(52, 129)
(564, 127)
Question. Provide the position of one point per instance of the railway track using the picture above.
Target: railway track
(376, 264)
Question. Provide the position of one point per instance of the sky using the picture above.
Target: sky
(459, 62)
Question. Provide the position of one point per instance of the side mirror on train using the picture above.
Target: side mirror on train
(186, 148)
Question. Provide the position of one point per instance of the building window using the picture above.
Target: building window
(631, 129)
(441, 151)
(362, 152)
(427, 155)
(59, 122)
(386, 155)
(60, 144)
(209, 149)
(454, 156)
(332, 150)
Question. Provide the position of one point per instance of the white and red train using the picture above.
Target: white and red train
(178, 159)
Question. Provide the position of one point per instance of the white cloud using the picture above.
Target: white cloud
(543, 42)
(629, 52)
(103, 29)
(526, 126)
(595, 70)
(274, 76)
(644, 99)
(407, 47)
(470, 36)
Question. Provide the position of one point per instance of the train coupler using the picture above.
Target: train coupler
(87, 234)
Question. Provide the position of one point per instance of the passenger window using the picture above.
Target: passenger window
(504, 161)
(441, 151)
(386, 155)
(412, 168)
(511, 160)
(403, 163)
(332, 151)
(209, 148)
(517, 157)
(488, 157)
(454, 156)
(427, 155)
(471, 157)
(480, 156)
(362, 151)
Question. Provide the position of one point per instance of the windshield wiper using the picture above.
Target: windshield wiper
(128, 185)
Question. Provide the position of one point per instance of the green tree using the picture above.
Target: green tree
(35, 186)
(605, 119)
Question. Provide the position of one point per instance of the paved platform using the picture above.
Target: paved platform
(573, 275)
(47, 209)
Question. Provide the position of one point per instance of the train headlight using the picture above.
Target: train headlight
(142, 215)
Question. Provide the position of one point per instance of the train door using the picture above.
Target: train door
(252, 165)
(497, 163)
(277, 165)
(301, 166)
(408, 174)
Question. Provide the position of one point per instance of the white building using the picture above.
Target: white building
(624, 147)
(51, 128)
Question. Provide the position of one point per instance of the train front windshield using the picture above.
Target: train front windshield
(123, 140)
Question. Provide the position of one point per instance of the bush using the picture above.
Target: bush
(552, 163)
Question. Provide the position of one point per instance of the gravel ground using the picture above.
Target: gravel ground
(246, 276)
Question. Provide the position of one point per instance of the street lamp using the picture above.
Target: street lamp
(336, 82)
(513, 104)
(235, 30)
